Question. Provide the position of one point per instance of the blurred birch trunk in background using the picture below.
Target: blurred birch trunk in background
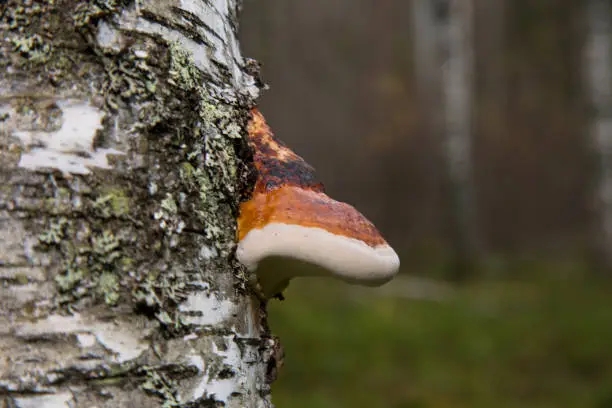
(598, 76)
(427, 36)
(122, 151)
(458, 90)
(444, 45)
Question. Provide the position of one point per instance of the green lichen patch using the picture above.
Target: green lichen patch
(70, 279)
(158, 383)
(169, 205)
(17, 15)
(108, 288)
(113, 203)
(183, 73)
(162, 381)
(54, 233)
(159, 294)
(92, 262)
(32, 47)
(105, 247)
(132, 82)
(89, 12)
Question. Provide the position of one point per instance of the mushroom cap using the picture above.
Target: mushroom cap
(289, 215)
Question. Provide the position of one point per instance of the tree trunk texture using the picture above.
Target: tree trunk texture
(456, 23)
(426, 34)
(598, 66)
(122, 161)
(444, 64)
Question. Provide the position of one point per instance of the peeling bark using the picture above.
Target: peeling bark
(122, 163)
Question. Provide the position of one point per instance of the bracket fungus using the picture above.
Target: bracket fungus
(290, 216)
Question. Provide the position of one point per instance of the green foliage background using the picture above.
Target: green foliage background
(544, 343)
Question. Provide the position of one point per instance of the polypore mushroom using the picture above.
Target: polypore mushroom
(289, 215)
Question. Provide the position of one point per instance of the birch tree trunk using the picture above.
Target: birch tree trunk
(598, 63)
(456, 17)
(426, 54)
(122, 161)
(443, 58)
(426, 34)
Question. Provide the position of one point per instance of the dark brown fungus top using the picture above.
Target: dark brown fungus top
(288, 192)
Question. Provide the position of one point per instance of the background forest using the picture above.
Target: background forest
(477, 135)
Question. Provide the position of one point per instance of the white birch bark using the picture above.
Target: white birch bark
(428, 37)
(457, 87)
(121, 165)
(426, 34)
(598, 66)
(444, 65)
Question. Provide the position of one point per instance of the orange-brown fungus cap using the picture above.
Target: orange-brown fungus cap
(289, 215)
(287, 192)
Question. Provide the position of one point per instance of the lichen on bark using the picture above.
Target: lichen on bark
(122, 163)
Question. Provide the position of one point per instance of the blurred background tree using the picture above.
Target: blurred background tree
(476, 135)
(597, 66)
